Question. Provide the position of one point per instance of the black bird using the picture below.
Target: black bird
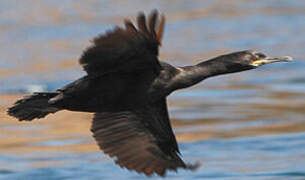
(126, 87)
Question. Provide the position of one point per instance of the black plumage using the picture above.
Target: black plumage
(126, 87)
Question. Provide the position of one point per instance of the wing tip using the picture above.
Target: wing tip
(129, 26)
(153, 19)
(161, 29)
(193, 167)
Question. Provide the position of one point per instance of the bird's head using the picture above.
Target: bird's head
(256, 59)
(249, 59)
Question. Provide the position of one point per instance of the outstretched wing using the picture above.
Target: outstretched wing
(140, 140)
(126, 50)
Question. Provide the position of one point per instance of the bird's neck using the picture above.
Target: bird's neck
(218, 66)
(210, 68)
(191, 75)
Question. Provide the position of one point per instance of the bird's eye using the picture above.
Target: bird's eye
(259, 56)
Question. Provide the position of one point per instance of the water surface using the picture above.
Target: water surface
(248, 125)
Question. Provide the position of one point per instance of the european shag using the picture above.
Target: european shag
(126, 86)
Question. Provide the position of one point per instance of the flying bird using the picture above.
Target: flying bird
(126, 87)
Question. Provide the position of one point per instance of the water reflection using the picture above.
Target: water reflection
(248, 125)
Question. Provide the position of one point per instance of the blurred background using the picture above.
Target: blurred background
(249, 125)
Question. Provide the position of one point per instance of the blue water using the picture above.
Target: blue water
(249, 125)
(238, 158)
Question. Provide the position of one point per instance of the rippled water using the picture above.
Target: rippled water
(248, 125)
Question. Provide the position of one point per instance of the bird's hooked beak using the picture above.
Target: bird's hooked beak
(268, 60)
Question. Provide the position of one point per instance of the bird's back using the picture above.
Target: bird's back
(108, 92)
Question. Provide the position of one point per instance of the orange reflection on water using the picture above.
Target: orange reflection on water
(70, 131)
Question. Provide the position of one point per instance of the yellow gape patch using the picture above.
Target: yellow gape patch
(259, 62)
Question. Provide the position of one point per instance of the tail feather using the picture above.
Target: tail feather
(33, 106)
